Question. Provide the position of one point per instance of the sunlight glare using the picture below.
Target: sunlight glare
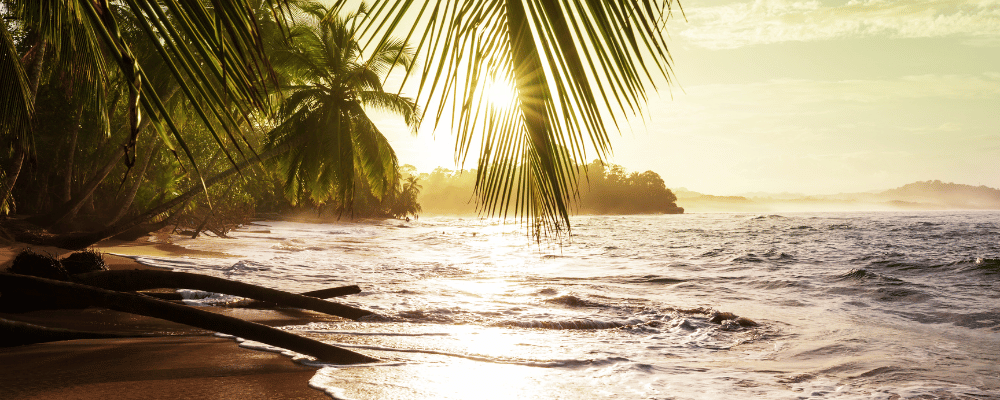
(500, 93)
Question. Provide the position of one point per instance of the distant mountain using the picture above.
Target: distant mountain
(948, 195)
(926, 195)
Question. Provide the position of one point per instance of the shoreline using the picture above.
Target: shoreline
(164, 360)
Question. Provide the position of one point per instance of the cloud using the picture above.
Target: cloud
(775, 21)
(803, 92)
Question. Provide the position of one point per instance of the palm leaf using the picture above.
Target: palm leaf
(17, 102)
(580, 67)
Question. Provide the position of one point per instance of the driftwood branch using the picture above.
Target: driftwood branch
(135, 280)
(333, 292)
(14, 287)
(319, 294)
(17, 333)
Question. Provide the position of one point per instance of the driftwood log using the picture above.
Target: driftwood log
(23, 288)
(136, 280)
(319, 294)
(17, 333)
(333, 292)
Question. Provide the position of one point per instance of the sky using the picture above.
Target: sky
(813, 97)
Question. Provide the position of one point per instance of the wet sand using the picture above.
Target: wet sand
(165, 361)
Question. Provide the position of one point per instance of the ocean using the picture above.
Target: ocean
(886, 305)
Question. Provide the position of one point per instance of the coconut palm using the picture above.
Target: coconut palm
(330, 87)
(213, 50)
(578, 66)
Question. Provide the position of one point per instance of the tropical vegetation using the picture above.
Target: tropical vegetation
(608, 189)
(119, 115)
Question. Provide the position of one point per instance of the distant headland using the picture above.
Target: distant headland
(924, 195)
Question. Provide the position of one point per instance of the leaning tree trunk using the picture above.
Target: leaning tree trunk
(134, 189)
(8, 185)
(69, 211)
(17, 333)
(82, 240)
(77, 241)
(67, 193)
(27, 288)
(136, 280)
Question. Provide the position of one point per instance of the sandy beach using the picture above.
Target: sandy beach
(164, 361)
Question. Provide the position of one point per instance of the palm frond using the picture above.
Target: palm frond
(16, 99)
(214, 54)
(581, 68)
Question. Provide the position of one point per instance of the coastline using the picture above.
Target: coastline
(165, 360)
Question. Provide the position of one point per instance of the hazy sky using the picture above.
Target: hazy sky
(811, 97)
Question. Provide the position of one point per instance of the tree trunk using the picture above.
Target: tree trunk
(136, 280)
(8, 186)
(67, 193)
(183, 198)
(17, 333)
(77, 241)
(319, 294)
(34, 77)
(68, 211)
(38, 57)
(134, 189)
(27, 288)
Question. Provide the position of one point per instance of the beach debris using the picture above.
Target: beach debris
(319, 294)
(333, 292)
(719, 317)
(17, 333)
(28, 262)
(169, 296)
(135, 280)
(84, 261)
(28, 289)
(730, 321)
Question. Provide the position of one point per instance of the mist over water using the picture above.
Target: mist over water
(834, 305)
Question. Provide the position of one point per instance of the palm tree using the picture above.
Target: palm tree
(406, 201)
(330, 85)
(213, 50)
(579, 66)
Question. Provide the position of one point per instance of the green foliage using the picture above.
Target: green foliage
(335, 152)
(198, 75)
(579, 67)
(611, 190)
(608, 189)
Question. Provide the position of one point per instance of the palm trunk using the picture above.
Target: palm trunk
(8, 186)
(28, 288)
(134, 189)
(69, 211)
(78, 241)
(34, 77)
(67, 193)
(197, 189)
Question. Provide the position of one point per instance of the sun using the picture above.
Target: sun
(500, 93)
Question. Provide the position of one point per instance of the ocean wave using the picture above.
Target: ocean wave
(661, 280)
(768, 217)
(973, 320)
(771, 256)
(988, 266)
(566, 324)
(863, 275)
(573, 301)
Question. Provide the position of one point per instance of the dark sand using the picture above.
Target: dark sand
(169, 360)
